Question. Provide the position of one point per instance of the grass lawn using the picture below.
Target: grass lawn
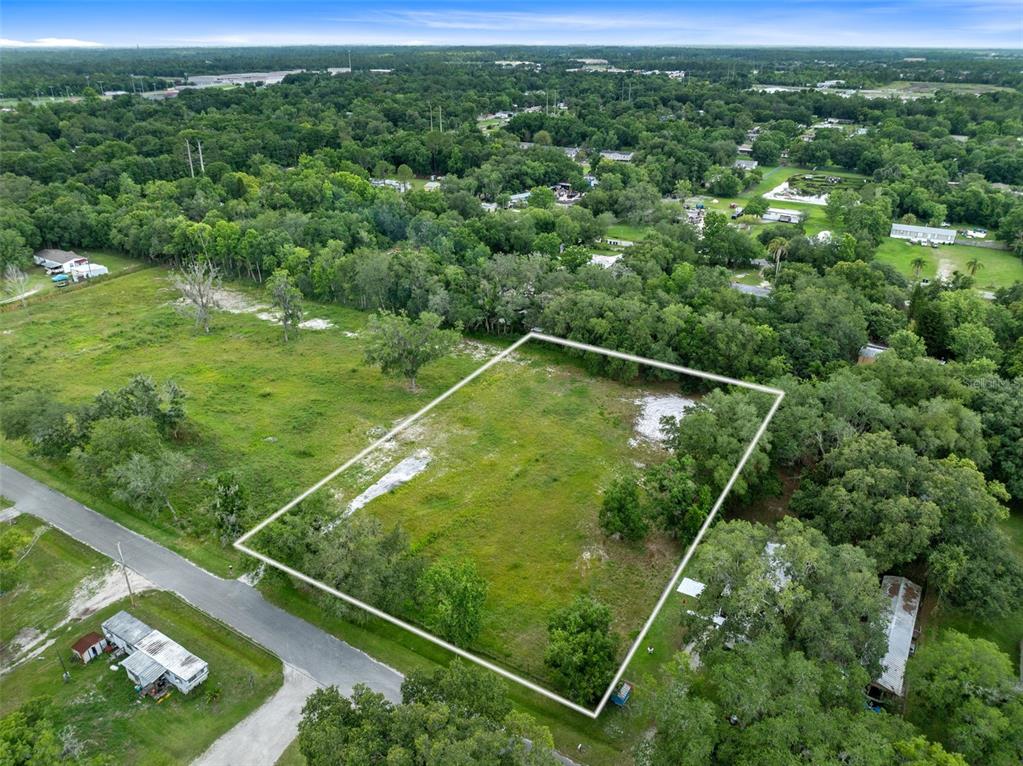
(518, 459)
(47, 578)
(281, 416)
(101, 705)
(1000, 267)
(626, 231)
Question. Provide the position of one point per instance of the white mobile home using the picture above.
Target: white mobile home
(154, 660)
(926, 234)
(64, 260)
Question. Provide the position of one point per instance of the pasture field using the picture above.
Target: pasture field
(1000, 268)
(508, 473)
(101, 705)
(279, 415)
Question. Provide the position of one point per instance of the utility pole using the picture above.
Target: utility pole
(440, 116)
(350, 62)
(66, 676)
(431, 118)
(124, 569)
(202, 165)
(188, 148)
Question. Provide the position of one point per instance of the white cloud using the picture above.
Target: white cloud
(49, 42)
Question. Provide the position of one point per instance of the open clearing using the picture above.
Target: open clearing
(1000, 268)
(508, 474)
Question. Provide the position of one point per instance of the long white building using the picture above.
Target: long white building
(923, 233)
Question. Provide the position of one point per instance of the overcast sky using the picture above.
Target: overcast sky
(921, 23)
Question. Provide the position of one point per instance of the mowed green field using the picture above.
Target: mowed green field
(315, 397)
(999, 268)
(518, 461)
(100, 705)
(280, 415)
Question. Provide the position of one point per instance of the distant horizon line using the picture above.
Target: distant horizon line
(31, 46)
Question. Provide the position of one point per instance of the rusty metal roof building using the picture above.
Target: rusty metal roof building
(905, 604)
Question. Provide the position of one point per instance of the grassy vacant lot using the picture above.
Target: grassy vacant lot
(1000, 267)
(518, 459)
(626, 231)
(100, 705)
(280, 416)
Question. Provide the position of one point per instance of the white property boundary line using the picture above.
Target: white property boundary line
(240, 543)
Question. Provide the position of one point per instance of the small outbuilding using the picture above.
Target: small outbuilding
(870, 353)
(89, 646)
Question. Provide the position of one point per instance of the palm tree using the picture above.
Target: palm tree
(779, 248)
(918, 265)
(974, 265)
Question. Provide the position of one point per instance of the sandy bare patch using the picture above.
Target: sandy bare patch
(605, 261)
(92, 594)
(252, 578)
(782, 193)
(261, 738)
(316, 324)
(653, 407)
(477, 350)
(404, 471)
(234, 302)
(592, 555)
(945, 268)
(95, 593)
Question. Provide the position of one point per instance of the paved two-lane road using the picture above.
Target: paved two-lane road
(321, 656)
(317, 653)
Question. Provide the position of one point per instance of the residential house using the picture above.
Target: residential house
(782, 215)
(59, 259)
(745, 164)
(154, 660)
(925, 234)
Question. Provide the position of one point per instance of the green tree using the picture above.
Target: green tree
(918, 264)
(146, 481)
(621, 511)
(541, 197)
(968, 684)
(228, 504)
(675, 497)
(453, 596)
(401, 345)
(365, 728)
(789, 584)
(582, 649)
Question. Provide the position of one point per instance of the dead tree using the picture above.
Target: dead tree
(199, 283)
